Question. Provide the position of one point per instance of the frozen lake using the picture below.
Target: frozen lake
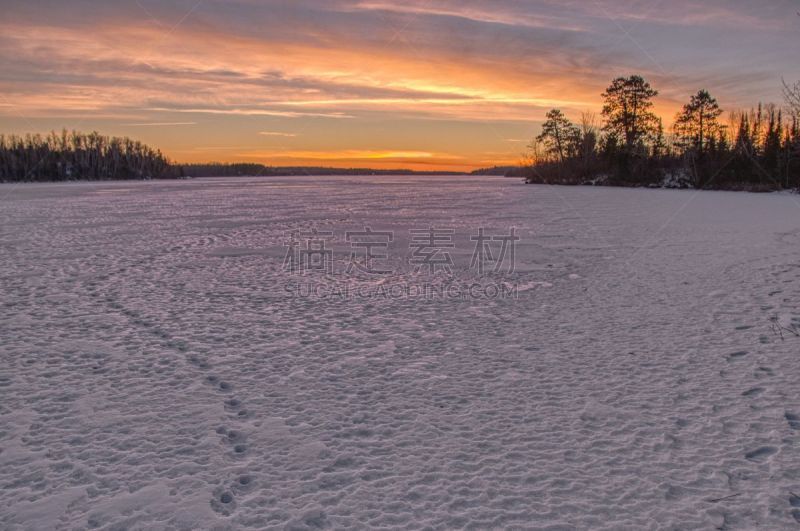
(163, 368)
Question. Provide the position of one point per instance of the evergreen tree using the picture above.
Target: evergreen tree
(559, 135)
(628, 112)
(697, 124)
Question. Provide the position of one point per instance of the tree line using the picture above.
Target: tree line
(69, 156)
(220, 169)
(78, 156)
(756, 149)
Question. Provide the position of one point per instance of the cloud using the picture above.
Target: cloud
(350, 154)
(359, 158)
(250, 112)
(476, 13)
(277, 133)
(159, 124)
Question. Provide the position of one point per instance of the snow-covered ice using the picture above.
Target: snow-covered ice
(158, 374)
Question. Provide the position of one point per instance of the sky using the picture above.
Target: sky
(421, 84)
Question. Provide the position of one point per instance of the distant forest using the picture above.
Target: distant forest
(77, 156)
(71, 156)
(260, 170)
(755, 150)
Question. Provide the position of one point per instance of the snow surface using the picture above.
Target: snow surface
(157, 374)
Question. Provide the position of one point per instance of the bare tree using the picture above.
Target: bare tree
(791, 93)
(589, 136)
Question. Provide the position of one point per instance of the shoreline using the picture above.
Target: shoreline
(521, 180)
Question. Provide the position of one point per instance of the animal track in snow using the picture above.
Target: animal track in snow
(737, 355)
(223, 502)
(761, 454)
(793, 420)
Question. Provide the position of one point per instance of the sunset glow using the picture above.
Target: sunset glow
(425, 84)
